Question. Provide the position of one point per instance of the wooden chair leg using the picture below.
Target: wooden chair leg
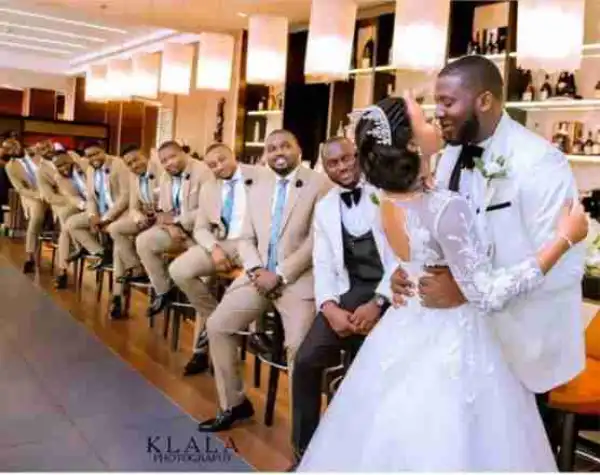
(111, 278)
(177, 317)
(271, 395)
(566, 455)
(126, 299)
(243, 347)
(257, 372)
(79, 268)
(99, 284)
(167, 322)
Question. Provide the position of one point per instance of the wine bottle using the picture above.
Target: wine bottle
(546, 89)
(588, 148)
(571, 86)
(529, 93)
(596, 147)
(367, 57)
(502, 44)
(491, 46)
(257, 131)
(561, 89)
(578, 144)
(597, 91)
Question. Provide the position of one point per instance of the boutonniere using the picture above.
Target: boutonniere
(107, 170)
(186, 176)
(151, 176)
(374, 199)
(496, 168)
(248, 182)
(299, 183)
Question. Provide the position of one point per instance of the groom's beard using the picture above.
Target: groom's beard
(468, 132)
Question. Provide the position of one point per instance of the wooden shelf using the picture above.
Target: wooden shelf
(584, 158)
(556, 105)
(255, 144)
(264, 113)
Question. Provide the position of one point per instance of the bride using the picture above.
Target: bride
(430, 389)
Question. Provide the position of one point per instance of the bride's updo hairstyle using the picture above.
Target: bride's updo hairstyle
(388, 157)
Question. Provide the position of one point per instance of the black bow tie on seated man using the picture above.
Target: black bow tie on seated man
(466, 160)
(351, 197)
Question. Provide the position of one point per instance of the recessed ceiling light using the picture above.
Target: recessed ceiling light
(93, 39)
(62, 20)
(242, 14)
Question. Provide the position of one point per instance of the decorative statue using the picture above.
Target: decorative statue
(218, 135)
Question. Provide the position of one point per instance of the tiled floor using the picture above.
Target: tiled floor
(69, 404)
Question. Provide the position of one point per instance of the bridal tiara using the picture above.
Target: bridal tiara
(382, 130)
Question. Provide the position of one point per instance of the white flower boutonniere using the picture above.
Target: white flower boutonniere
(495, 169)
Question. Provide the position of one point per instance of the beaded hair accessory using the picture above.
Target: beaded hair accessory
(382, 130)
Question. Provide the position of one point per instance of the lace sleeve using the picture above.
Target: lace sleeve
(489, 289)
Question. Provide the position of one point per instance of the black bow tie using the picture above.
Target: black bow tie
(351, 197)
(468, 154)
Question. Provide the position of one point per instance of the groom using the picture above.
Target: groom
(517, 205)
(347, 270)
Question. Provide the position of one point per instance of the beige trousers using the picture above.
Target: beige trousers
(63, 213)
(187, 272)
(123, 232)
(35, 211)
(78, 227)
(241, 305)
(151, 246)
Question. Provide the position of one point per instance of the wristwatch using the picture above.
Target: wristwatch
(381, 301)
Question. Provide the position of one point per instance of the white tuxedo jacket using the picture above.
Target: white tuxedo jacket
(330, 273)
(542, 333)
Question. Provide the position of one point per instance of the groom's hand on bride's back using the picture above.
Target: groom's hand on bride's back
(438, 289)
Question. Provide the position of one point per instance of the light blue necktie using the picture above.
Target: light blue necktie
(227, 211)
(176, 190)
(276, 223)
(145, 188)
(100, 192)
(29, 170)
(79, 184)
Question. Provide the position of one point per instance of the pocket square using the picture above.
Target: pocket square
(498, 206)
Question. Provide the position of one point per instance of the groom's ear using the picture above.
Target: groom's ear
(485, 101)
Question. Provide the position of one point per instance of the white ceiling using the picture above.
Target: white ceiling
(58, 35)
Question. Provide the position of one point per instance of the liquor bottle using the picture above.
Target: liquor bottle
(597, 91)
(558, 140)
(562, 86)
(588, 148)
(596, 147)
(528, 94)
(367, 56)
(261, 105)
(501, 44)
(578, 144)
(546, 89)
(340, 129)
(571, 86)
(390, 89)
(257, 131)
(491, 46)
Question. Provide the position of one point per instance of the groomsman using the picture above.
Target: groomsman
(347, 270)
(178, 201)
(276, 252)
(107, 190)
(143, 203)
(62, 208)
(21, 171)
(217, 229)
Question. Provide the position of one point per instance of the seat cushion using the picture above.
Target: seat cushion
(582, 394)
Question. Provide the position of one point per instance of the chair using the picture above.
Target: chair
(578, 400)
(333, 377)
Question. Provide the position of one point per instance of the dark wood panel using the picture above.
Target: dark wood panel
(11, 101)
(132, 124)
(88, 111)
(42, 103)
(114, 110)
(149, 128)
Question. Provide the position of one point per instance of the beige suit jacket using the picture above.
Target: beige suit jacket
(195, 175)
(137, 204)
(296, 237)
(47, 178)
(119, 188)
(208, 227)
(69, 191)
(20, 181)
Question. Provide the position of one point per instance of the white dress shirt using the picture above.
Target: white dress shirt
(239, 203)
(357, 219)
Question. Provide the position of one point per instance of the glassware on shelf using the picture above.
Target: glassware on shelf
(546, 89)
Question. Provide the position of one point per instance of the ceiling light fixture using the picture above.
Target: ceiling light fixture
(93, 39)
(34, 48)
(42, 40)
(62, 20)
(242, 14)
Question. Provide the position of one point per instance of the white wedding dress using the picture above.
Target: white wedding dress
(430, 389)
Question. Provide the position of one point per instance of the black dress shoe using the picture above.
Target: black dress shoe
(116, 308)
(159, 302)
(202, 341)
(198, 364)
(104, 260)
(137, 279)
(226, 419)
(61, 281)
(74, 256)
(29, 267)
